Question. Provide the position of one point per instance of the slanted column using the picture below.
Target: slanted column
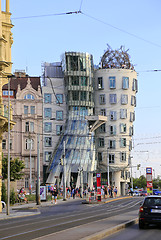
(7, 6)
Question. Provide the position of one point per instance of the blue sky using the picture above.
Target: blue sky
(133, 24)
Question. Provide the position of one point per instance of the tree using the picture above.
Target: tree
(140, 182)
(16, 167)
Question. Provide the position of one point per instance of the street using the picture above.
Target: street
(77, 219)
(133, 233)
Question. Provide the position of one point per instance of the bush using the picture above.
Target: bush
(4, 193)
(12, 197)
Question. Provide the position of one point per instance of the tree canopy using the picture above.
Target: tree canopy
(16, 167)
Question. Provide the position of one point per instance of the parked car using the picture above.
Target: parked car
(156, 192)
(143, 193)
(150, 211)
(3, 204)
(135, 193)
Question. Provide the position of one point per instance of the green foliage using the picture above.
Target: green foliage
(16, 167)
(4, 193)
(12, 197)
(140, 182)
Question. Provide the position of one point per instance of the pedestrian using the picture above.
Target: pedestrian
(55, 193)
(115, 191)
(73, 193)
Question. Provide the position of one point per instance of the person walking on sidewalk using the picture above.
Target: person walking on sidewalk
(55, 193)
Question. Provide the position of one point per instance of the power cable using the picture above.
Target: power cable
(47, 15)
(121, 30)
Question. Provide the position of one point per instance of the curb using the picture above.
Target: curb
(106, 233)
(110, 200)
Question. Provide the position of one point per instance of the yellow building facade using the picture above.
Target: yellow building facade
(6, 41)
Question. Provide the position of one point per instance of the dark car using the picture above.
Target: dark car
(150, 211)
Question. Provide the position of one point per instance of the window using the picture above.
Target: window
(29, 97)
(29, 144)
(27, 162)
(123, 113)
(32, 110)
(123, 156)
(100, 83)
(75, 95)
(47, 97)
(102, 128)
(83, 96)
(101, 142)
(59, 129)
(113, 115)
(103, 112)
(112, 81)
(4, 144)
(111, 158)
(47, 127)
(122, 142)
(5, 93)
(26, 109)
(59, 98)
(47, 112)
(130, 145)
(59, 115)
(102, 99)
(125, 82)
(27, 127)
(132, 116)
(73, 63)
(135, 85)
(100, 157)
(124, 99)
(122, 128)
(26, 183)
(113, 130)
(48, 155)
(75, 80)
(90, 97)
(48, 141)
(131, 131)
(83, 81)
(133, 101)
(113, 98)
(11, 144)
(112, 144)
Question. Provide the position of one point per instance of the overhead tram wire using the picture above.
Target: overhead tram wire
(48, 15)
(121, 30)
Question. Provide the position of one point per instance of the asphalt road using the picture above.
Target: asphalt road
(66, 216)
(133, 233)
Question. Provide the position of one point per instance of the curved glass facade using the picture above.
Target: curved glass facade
(79, 146)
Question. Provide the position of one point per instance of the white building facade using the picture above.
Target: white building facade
(115, 97)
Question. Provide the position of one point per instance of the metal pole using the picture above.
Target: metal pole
(132, 179)
(81, 176)
(8, 182)
(38, 170)
(30, 187)
(108, 170)
(64, 173)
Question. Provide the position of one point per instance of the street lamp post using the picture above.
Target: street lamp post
(108, 169)
(8, 180)
(64, 173)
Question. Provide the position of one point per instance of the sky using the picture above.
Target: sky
(42, 32)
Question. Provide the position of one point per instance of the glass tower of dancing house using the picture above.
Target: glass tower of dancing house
(79, 145)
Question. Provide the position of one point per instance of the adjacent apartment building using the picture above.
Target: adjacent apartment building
(26, 101)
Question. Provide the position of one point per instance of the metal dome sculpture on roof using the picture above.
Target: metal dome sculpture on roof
(116, 58)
